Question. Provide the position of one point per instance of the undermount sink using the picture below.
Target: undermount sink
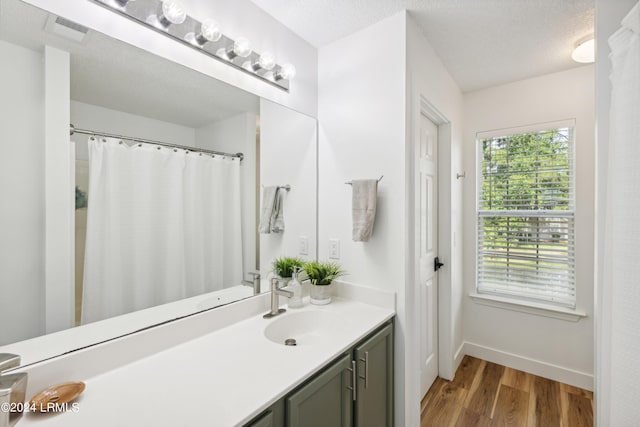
(305, 328)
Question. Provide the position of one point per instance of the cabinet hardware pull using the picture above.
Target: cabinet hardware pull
(366, 369)
(354, 381)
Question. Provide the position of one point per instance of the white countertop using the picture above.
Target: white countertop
(224, 378)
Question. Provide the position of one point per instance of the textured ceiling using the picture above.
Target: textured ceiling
(481, 42)
(115, 75)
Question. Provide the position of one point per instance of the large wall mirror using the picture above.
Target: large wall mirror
(160, 232)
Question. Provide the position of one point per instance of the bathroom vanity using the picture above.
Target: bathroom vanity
(230, 367)
(356, 389)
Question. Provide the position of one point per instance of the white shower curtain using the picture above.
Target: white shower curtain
(622, 245)
(162, 225)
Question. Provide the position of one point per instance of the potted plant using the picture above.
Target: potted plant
(283, 267)
(322, 275)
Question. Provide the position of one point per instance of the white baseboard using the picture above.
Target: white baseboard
(532, 366)
(458, 356)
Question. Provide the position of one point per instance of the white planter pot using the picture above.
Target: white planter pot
(321, 294)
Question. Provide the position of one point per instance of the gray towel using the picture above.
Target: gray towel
(266, 213)
(277, 217)
(364, 208)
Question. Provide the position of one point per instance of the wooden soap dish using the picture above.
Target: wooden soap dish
(56, 395)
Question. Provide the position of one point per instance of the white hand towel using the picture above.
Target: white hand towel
(277, 217)
(364, 208)
(268, 202)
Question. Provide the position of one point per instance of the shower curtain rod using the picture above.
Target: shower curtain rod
(74, 130)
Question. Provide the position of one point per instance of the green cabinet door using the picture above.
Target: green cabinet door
(272, 417)
(326, 400)
(374, 403)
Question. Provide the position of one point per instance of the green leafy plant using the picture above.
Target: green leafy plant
(284, 266)
(323, 273)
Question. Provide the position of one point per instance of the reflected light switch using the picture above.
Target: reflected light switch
(334, 248)
(303, 245)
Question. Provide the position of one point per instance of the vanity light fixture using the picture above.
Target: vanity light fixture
(585, 51)
(169, 17)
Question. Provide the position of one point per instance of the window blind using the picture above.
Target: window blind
(526, 241)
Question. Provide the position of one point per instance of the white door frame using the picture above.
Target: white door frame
(445, 331)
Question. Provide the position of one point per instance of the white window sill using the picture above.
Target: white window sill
(528, 307)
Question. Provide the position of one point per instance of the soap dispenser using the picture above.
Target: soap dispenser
(294, 285)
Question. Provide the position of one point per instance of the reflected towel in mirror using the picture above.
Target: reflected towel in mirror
(277, 217)
(364, 208)
(272, 215)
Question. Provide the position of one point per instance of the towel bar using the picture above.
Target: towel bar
(379, 179)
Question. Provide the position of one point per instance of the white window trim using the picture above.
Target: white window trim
(528, 307)
(514, 303)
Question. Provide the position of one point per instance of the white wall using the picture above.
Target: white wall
(361, 115)
(232, 135)
(237, 18)
(558, 349)
(429, 80)
(22, 194)
(609, 14)
(288, 145)
(367, 112)
(97, 118)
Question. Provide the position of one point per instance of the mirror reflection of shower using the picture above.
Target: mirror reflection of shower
(237, 133)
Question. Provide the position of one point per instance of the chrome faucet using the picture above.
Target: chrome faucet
(275, 293)
(255, 282)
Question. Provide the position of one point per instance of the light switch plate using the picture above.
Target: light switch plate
(334, 248)
(303, 245)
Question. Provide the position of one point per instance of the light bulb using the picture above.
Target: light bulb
(242, 47)
(267, 61)
(585, 51)
(210, 30)
(287, 71)
(173, 12)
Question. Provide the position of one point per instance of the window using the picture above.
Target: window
(526, 214)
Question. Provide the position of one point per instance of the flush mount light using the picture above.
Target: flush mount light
(169, 17)
(585, 51)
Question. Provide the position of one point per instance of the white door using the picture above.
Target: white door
(427, 246)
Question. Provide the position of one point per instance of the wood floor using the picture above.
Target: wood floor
(484, 394)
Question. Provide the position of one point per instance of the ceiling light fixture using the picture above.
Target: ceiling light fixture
(585, 51)
(169, 17)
